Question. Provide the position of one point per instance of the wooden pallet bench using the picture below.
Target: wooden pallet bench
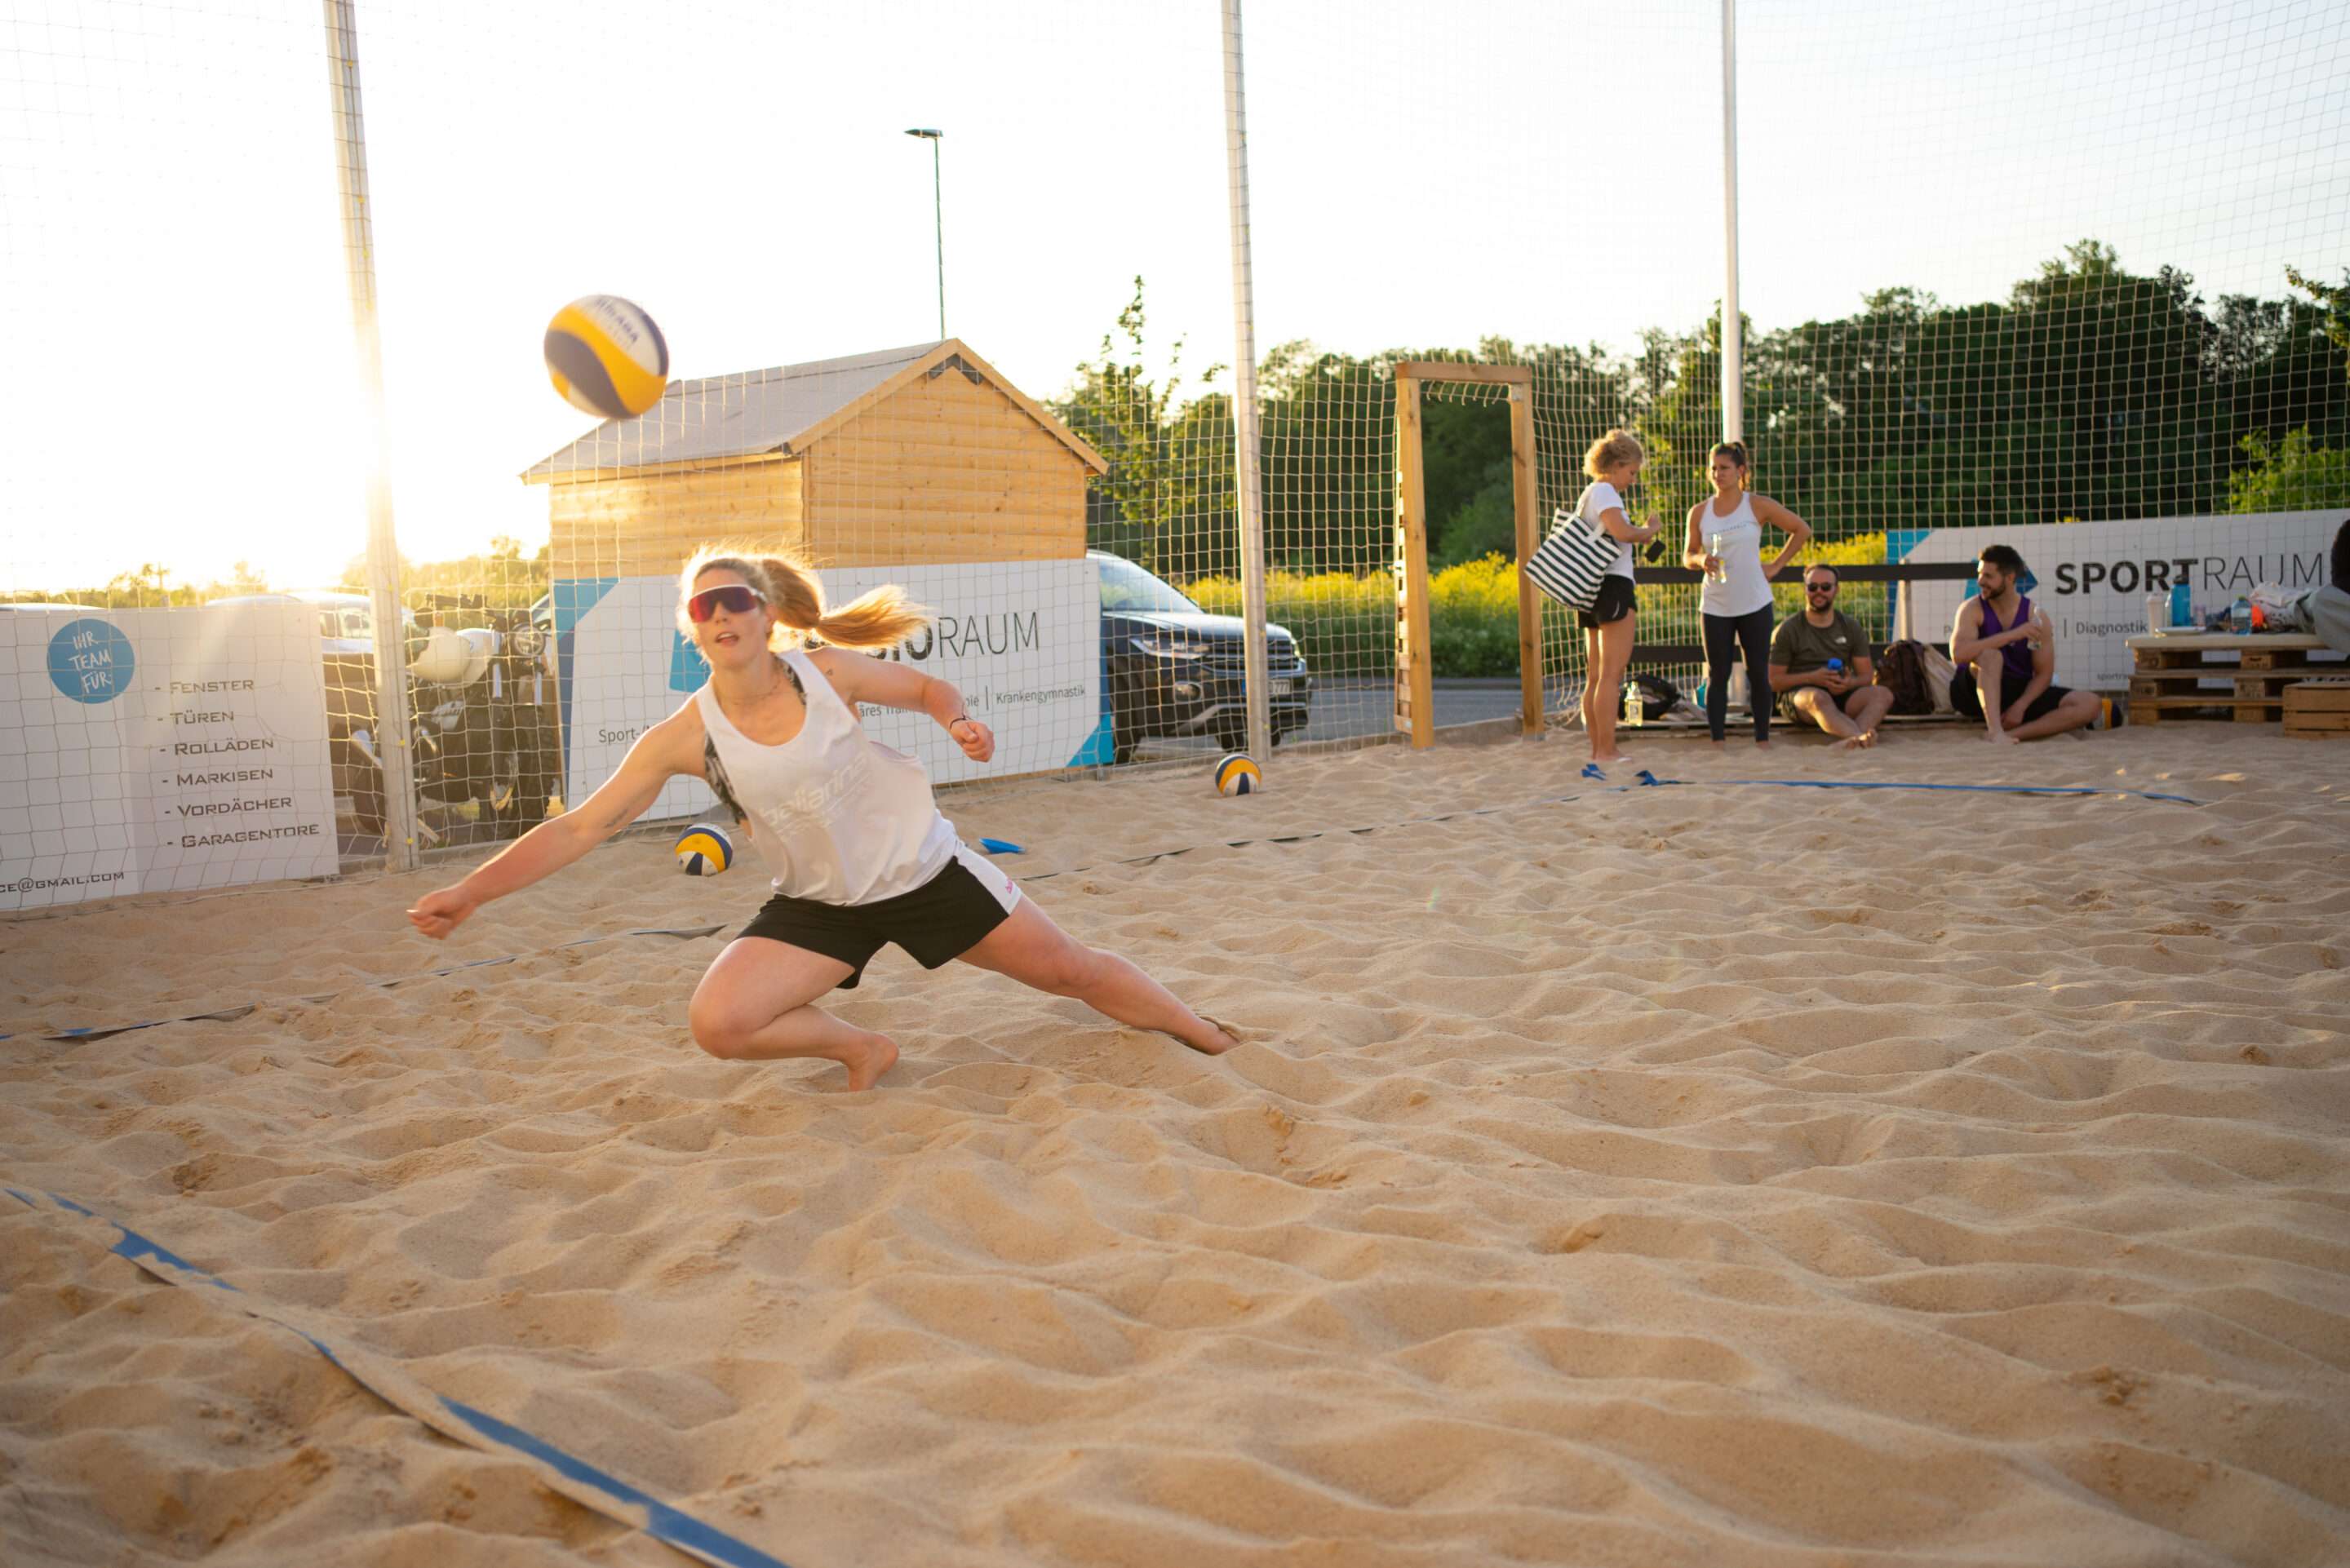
(2318, 710)
(2221, 675)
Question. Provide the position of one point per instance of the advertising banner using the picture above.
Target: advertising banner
(1020, 640)
(146, 751)
(2092, 579)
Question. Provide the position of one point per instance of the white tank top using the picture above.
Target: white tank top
(839, 818)
(1740, 533)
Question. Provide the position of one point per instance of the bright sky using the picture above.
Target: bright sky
(172, 270)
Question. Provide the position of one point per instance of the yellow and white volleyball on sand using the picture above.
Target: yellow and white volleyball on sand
(704, 850)
(1239, 775)
(606, 357)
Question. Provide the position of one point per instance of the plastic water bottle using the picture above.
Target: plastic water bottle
(1836, 669)
(2182, 607)
(2239, 616)
(1720, 573)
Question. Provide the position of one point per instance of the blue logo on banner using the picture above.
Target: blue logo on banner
(91, 660)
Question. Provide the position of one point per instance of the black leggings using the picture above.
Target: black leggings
(1754, 630)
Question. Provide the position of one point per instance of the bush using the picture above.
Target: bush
(1472, 619)
(1345, 625)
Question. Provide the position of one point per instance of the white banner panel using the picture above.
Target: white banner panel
(1020, 640)
(2093, 577)
(145, 751)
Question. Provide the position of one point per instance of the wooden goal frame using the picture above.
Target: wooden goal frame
(1415, 702)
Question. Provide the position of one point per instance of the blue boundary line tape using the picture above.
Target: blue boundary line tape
(1590, 771)
(383, 1376)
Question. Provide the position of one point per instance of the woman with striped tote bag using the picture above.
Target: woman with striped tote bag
(1586, 566)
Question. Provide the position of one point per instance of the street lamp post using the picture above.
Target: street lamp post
(937, 216)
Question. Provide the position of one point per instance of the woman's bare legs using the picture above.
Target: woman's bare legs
(1608, 653)
(1031, 950)
(753, 1006)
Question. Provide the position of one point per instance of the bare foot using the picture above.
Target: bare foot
(2001, 738)
(1859, 743)
(868, 1059)
(1610, 757)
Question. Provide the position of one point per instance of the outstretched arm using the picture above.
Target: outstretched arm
(650, 763)
(887, 683)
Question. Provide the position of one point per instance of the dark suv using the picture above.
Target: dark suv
(1172, 668)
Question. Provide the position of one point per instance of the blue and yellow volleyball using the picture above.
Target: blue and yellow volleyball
(1239, 775)
(606, 358)
(704, 850)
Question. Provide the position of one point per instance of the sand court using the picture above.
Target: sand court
(1713, 1173)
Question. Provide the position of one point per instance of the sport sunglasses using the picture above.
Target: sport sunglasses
(732, 598)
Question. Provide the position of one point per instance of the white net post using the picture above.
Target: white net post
(393, 755)
(1247, 474)
(1733, 344)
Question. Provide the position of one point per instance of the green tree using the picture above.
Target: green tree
(2334, 300)
(1157, 504)
(2293, 476)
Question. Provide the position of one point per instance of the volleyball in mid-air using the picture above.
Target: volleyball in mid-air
(606, 357)
(704, 850)
(1237, 775)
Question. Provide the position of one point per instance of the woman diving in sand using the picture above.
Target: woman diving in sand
(861, 855)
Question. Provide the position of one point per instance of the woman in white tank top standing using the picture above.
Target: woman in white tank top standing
(1725, 543)
(860, 855)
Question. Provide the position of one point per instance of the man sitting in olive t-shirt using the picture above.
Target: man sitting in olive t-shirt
(1845, 700)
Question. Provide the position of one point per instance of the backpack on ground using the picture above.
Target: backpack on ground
(1901, 670)
(1659, 696)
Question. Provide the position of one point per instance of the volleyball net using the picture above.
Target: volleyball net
(2034, 263)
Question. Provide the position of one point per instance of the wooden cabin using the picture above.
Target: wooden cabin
(918, 455)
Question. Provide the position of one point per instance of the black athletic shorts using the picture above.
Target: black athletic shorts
(937, 922)
(1614, 603)
(1969, 701)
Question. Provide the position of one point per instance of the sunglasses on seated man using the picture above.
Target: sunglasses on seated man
(734, 599)
(1819, 588)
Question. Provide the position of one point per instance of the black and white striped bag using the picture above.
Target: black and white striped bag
(1568, 564)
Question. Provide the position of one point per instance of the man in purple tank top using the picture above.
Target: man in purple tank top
(2006, 653)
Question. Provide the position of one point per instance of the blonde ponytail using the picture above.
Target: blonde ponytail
(881, 618)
